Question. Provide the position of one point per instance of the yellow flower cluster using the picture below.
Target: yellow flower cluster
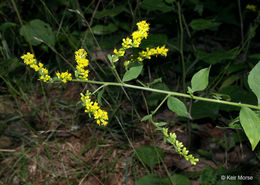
(93, 108)
(172, 139)
(29, 59)
(64, 77)
(142, 32)
(251, 7)
(134, 42)
(137, 36)
(152, 51)
(82, 62)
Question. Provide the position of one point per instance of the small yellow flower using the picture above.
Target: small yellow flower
(120, 53)
(64, 77)
(127, 43)
(126, 63)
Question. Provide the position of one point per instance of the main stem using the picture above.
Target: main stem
(169, 93)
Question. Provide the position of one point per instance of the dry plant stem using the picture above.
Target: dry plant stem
(181, 48)
(170, 93)
(241, 22)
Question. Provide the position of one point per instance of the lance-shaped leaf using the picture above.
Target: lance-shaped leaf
(200, 80)
(133, 73)
(250, 122)
(254, 81)
(177, 106)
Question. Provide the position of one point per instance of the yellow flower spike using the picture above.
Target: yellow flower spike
(30, 60)
(93, 108)
(82, 62)
(135, 41)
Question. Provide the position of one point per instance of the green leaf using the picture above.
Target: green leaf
(152, 179)
(250, 122)
(160, 124)
(254, 81)
(177, 106)
(149, 155)
(110, 58)
(38, 29)
(133, 73)
(145, 118)
(104, 29)
(203, 24)
(153, 5)
(99, 96)
(200, 80)
(180, 179)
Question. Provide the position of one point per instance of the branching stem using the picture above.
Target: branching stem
(169, 93)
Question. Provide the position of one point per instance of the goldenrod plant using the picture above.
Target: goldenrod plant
(249, 119)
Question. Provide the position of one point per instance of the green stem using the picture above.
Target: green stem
(157, 108)
(169, 93)
(102, 86)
